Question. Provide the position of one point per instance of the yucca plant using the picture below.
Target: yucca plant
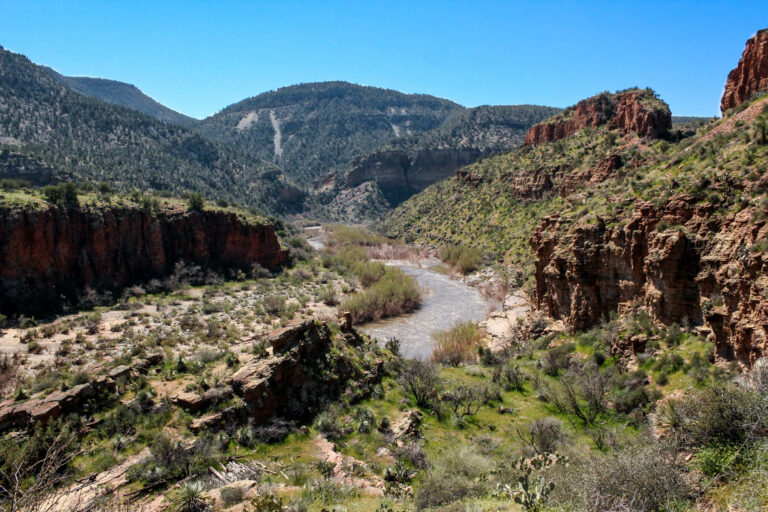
(189, 498)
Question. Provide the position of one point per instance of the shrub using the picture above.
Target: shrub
(232, 495)
(394, 294)
(274, 304)
(189, 498)
(543, 435)
(465, 259)
(458, 344)
(717, 460)
(557, 359)
(510, 376)
(63, 194)
(723, 414)
(329, 424)
(420, 379)
(638, 478)
(195, 202)
(456, 475)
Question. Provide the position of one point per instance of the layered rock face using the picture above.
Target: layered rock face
(750, 77)
(81, 398)
(401, 174)
(52, 255)
(637, 112)
(700, 272)
(296, 379)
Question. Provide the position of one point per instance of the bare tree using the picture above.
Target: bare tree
(46, 474)
(421, 380)
(583, 392)
(543, 435)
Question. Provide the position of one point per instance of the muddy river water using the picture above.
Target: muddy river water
(445, 301)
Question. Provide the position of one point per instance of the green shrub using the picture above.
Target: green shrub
(394, 294)
(195, 202)
(642, 477)
(456, 475)
(717, 460)
(458, 344)
(189, 498)
(63, 194)
(465, 259)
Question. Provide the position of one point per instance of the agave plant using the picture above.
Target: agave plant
(189, 498)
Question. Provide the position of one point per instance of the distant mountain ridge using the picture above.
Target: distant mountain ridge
(310, 129)
(123, 94)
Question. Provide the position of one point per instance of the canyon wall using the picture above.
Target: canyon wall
(50, 256)
(750, 76)
(637, 112)
(699, 271)
(401, 174)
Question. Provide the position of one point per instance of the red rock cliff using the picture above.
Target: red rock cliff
(750, 76)
(702, 275)
(54, 254)
(637, 112)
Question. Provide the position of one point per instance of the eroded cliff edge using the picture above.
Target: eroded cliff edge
(679, 261)
(750, 77)
(51, 255)
(637, 111)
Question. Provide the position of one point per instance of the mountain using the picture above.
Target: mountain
(311, 129)
(385, 177)
(608, 208)
(83, 138)
(125, 95)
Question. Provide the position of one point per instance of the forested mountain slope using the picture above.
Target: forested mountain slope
(87, 139)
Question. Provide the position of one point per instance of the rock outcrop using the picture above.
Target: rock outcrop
(750, 77)
(634, 111)
(52, 255)
(401, 174)
(81, 398)
(300, 374)
(701, 271)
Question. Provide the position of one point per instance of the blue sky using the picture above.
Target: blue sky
(198, 57)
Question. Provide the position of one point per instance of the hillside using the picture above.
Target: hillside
(310, 129)
(123, 94)
(87, 139)
(604, 220)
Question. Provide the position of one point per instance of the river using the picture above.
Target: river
(444, 302)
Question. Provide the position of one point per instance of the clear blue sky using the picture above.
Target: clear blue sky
(198, 57)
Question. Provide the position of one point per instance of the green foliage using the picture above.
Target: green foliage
(455, 475)
(63, 194)
(393, 294)
(195, 202)
(717, 460)
(465, 259)
(458, 344)
(189, 498)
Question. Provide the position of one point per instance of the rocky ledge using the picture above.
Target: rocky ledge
(53, 255)
(636, 111)
(750, 77)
